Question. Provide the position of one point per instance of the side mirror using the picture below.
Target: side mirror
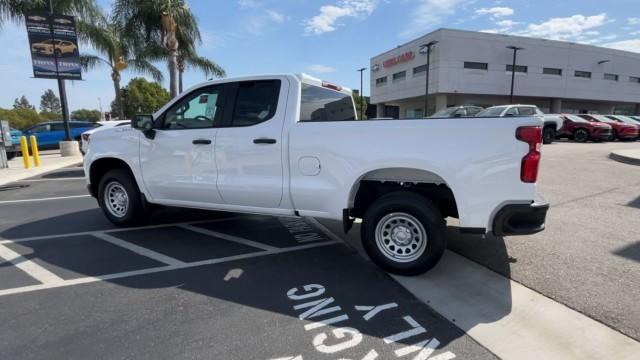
(142, 122)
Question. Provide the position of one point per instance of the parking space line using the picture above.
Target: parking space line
(232, 238)
(58, 179)
(108, 231)
(91, 279)
(43, 199)
(31, 268)
(138, 249)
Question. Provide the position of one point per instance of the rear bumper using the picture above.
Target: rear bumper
(521, 219)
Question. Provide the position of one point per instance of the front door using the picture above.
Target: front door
(178, 165)
(249, 149)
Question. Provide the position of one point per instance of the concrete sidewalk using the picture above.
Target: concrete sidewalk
(627, 156)
(49, 161)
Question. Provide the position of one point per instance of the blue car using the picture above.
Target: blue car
(49, 134)
(14, 149)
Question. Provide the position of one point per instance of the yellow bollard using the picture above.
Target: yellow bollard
(34, 150)
(25, 152)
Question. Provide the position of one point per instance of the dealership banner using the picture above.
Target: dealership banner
(54, 46)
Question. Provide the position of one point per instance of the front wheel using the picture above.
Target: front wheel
(120, 198)
(404, 233)
(548, 134)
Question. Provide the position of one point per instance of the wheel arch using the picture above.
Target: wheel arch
(101, 166)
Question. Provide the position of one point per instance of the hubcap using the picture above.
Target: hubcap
(116, 199)
(401, 237)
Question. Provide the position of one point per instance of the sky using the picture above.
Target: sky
(331, 39)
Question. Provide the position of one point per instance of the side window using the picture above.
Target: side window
(197, 110)
(41, 128)
(527, 111)
(513, 111)
(57, 127)
(322, 104)
(256, 101)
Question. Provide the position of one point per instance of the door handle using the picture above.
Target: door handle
(201, 142)
(264, 141)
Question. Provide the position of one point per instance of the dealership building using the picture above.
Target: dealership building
(474, 68)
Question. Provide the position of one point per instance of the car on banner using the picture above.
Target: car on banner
(54, 46)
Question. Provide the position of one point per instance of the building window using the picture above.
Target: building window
(612, 77)
(634, 79)
(476, 65)
(399, 76)
(381, 81)
(552, 71)
(519, 68)
(583, 74)
(419, 70)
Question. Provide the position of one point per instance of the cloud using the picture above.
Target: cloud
(633, 21)
(429, 14)
(568, 28)
(627, 45)
(329, 15)
(495, 12)
(320, 69)
(248, 4)
(258, 23)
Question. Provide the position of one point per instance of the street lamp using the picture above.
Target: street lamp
(426, 49)
(361, 71)
(513, 69)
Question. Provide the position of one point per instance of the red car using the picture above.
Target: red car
(581, 130)
(626, 120)
(621, 131)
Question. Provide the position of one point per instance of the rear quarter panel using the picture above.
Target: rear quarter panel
(478, 158)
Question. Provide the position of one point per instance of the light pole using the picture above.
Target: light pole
(513, 69)
(426, 49)
(361, 71)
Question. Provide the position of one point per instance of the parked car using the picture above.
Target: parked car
(552, 122)
(635, 117)
(291, 145)
(579, 129)
(101, 125)
(49, 134)
(620, 130)
(626, 120)
(14, 149)
(457, 111)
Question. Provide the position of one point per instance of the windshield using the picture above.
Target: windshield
(624, 119)
(575, 118)
(492, 111)
(603, 118)
(444, 112)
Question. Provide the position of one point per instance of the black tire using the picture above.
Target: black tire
(11, 155)
(548, 134)
(121, 179)
(581, 135)
(427, 252)
(613, 136)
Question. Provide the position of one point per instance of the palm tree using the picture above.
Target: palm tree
(169, 23)
(111, 41)
(187, 56)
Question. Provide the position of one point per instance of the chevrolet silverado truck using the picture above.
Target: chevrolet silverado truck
(291, 145)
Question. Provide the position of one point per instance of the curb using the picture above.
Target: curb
(624, 157)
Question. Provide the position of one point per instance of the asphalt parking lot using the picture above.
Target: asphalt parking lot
(195, 284)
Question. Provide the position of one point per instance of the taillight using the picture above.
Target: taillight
(532, 135)
(85, 137)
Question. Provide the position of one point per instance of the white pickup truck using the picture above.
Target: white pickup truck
(291, 145)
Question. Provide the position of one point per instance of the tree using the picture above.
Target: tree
(20, 118)
(86, 114)
(143, 97)
(111, 40)
(358, 100)
(169, 23)
(187, 56)
(49, 102)
(15, 10)
(22, 103)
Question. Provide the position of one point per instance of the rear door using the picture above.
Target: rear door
(249, 148)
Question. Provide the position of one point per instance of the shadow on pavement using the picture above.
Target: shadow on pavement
(635, 203)
(63, 174)
(631, 251)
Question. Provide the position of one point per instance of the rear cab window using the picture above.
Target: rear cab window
(323, 104)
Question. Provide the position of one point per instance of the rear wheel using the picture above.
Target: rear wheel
(548, 134)
(404, 233)
(120, 198)
(581, 135)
